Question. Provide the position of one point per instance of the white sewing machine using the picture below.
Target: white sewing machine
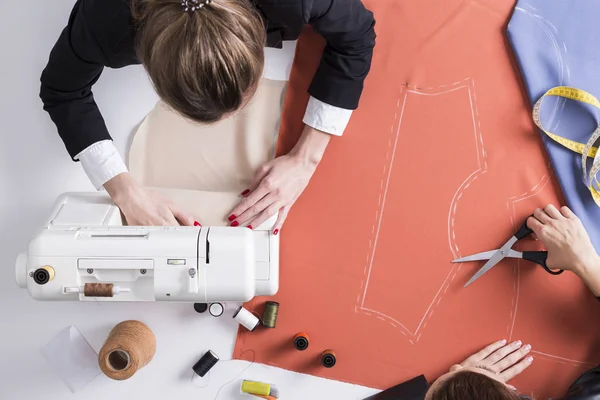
(85, 252)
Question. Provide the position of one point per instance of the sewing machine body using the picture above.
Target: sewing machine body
(86, 242)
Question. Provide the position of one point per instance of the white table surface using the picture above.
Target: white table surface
(34, 169)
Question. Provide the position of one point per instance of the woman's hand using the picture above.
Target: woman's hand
(280, 182)
(142, 207)
(569, 246)
(503, 361)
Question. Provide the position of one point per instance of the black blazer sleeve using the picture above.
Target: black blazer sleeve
(75, 64)
(349, 29)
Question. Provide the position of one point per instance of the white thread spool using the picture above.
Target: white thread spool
(246, 319)
(216, 309)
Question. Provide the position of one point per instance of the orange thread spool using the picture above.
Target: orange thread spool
(98, 290)
(301, 341)
(129, 347)
(328, 358)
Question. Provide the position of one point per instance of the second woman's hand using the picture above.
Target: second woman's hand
(504, 361)
(142, 207)
(569, 245)
(278, 183)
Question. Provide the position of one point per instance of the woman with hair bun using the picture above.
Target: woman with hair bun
(205, 59)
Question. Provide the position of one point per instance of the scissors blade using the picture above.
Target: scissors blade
(486, 255)
(495, 259)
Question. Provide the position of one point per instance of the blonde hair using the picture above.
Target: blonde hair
(204, 63)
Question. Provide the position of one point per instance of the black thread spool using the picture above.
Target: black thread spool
(328, 358)
(269, 318)
(208, 360)
(200, 307)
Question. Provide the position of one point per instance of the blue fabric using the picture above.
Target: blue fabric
(556, 43)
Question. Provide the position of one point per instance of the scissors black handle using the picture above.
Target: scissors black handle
(523, 230)
(538, 257)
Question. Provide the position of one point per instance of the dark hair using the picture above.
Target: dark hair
(203, 63)
(469, 385)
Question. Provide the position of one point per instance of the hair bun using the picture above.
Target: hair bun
(194, 5)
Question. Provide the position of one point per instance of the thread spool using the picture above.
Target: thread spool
(200, 307)
(129, 347)
(43, 275)
(98, 290)
(259, 389)
(246, 319)
(205, 363)
(301, 341)
(269, 317)
(216, 309)
(328, 358)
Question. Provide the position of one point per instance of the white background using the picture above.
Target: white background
(34, 169)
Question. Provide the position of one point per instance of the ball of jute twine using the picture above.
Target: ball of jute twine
(129, 347)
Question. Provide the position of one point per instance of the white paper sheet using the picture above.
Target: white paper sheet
(71, 356)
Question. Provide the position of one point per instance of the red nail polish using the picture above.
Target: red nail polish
(249, 227)
(232, 217)
(196, 223)
(245, 192)
(276, 231)
(235, 223)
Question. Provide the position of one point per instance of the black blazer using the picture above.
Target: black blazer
(586, 387)
(100, 33)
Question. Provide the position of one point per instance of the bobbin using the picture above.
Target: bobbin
(43, 275)
(301, 341)
(328, 359)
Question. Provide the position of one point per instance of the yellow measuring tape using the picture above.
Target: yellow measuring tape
(586, 150)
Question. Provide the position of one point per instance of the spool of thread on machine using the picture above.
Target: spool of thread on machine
(129, 347)
(328, 358)
(246, 319)
(269, 317)
(98, 290)
(301, 341)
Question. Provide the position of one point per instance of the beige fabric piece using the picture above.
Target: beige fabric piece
(169, 151)
(209, 208)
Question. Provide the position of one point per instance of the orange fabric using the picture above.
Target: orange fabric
(441, 160)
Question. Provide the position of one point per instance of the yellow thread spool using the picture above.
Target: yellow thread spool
(258, 388)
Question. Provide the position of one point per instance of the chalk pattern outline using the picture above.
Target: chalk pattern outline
(413, 337)
(468, 84)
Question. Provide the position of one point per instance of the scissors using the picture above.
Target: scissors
(495, 256)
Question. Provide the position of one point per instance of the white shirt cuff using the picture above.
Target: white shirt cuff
(101, 162)
(327, 118)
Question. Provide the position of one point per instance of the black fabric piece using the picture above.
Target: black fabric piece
(414, 389)
(586, 387)
(101, 33)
